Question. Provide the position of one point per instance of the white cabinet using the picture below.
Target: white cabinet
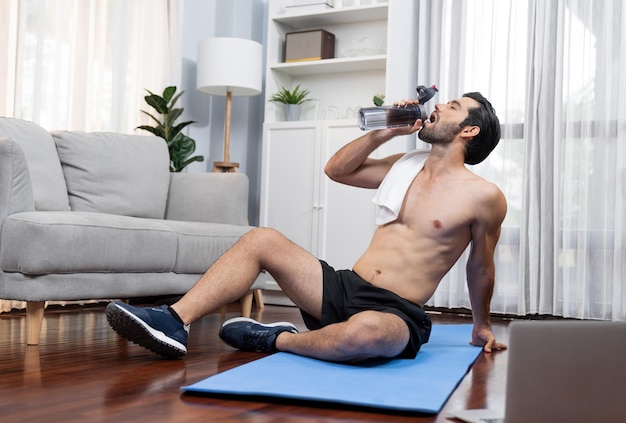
(332, 221)
(375, 52)
(290, 179)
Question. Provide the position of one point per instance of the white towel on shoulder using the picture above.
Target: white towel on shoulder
(393, 188)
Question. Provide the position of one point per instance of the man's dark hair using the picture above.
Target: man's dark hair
(485, 118)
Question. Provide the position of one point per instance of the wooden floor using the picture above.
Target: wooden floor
(82, 371)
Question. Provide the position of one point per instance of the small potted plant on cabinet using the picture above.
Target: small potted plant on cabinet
(291, 101)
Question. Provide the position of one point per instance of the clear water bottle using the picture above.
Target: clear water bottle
(389, 116)
(394, 116)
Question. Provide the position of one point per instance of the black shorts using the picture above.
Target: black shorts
(346, 293)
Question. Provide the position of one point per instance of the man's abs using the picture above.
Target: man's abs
(406, 263)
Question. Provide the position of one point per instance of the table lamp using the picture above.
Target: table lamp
(229, 67)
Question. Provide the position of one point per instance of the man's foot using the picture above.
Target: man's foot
(247, 334)
(154, 328)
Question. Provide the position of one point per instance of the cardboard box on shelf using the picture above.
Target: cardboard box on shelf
(309, 45)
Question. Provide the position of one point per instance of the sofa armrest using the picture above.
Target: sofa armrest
(208, 197)
(16, 190)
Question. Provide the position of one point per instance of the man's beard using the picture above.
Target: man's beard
(439, 133)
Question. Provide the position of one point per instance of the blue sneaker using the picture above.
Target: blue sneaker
(154, 328)
(247, 334)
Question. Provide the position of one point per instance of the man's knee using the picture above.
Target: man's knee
(262, 237)
(263, 245)
(376, 334)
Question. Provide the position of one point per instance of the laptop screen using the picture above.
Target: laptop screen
(566, 371)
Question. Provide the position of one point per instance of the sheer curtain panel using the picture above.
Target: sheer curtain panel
(554, 72)
(84, 64)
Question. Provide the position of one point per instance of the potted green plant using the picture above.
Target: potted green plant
(292, 101)
(180, 146)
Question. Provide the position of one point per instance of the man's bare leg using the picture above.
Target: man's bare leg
(368, 334)
(298, 273)
(164, 330)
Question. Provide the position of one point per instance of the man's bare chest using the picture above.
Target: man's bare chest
(439, 210)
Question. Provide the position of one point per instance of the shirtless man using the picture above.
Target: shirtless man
(374, 310)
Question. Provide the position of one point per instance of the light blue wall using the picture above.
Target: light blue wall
(203, 19)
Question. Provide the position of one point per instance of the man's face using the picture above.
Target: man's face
(445, 120)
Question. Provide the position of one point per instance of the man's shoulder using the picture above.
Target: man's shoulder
(492, 190)
(486, 189)
(488, 198)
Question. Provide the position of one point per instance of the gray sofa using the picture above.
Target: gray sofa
(99, 216)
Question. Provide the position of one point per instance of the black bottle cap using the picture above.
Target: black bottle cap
(425, 93)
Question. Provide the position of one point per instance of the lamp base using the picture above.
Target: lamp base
(225, 167)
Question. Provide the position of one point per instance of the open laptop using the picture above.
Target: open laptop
(562, 371)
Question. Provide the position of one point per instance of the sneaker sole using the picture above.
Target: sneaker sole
(269, 325)
(139, 332)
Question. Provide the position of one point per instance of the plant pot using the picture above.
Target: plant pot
(292, 111)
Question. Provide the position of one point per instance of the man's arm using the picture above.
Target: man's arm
(481, 269)
(351, 164)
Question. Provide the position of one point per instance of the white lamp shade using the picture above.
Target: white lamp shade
(229, 64)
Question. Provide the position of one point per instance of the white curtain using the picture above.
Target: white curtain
(84, 64)
(554, 71)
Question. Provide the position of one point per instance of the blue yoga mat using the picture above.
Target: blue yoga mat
(423, 384)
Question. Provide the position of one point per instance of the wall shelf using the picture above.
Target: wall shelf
(327, 66)
(340, 15)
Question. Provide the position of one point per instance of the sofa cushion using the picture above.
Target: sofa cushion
(37, 243)
(200, 244)
(115, 173)
(49, 189)
(216, 197)
(16, 189)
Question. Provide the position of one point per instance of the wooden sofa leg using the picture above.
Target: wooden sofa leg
(246, 304)
(258, 298)
(34, 319)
